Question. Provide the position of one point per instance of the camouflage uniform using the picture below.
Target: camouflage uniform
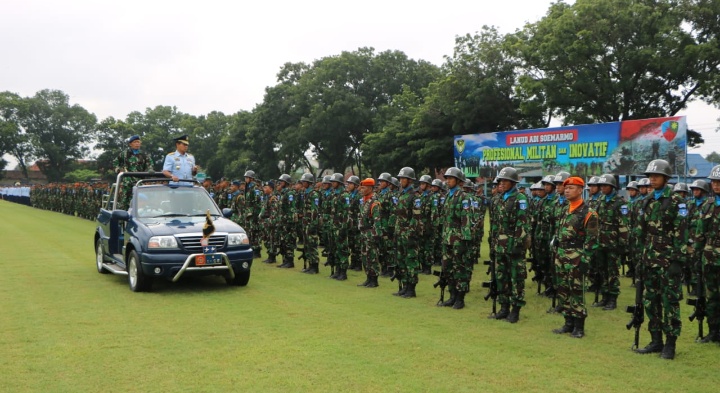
(370, 227)
(512, 233)
(577, 240)
(457, 232)
(270, 223)
(340, 246)
(311, 227)
(287, 225)
(707, 242)
(612, 211)
(408, 230)
(662, 233)
(544, 233)
(128, 161)
(253, 205)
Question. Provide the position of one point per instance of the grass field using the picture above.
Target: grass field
(66, 328)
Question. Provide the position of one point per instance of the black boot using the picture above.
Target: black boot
(566, 328)
(602, 303)
(343, 274)
(336, 273)
(713, 336)
(579, 331)
(453, 296)
(410, 291)
(401, 291)
(514, 315)
(460, 301)
(256, 253)
(367, 281)
(655, 346)
(312, 269)
(288, 263)
(373, 282)
(503, 313)
(611, 303)
(270, 259)
(668, 351)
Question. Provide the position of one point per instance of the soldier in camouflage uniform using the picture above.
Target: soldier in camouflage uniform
(577, 240)
(544, 233)
(131, 160)
(661, 219)
(310, 223)
(288, 221)
(457, 239)
(270, 220)
(512, 241)
(425, 250)
(700, 190)
(237, 202)
(437, 201)
(326, 226)
(558, 209)
(385, 197)
(253, 204)
(408, 230)
(370, 227)
(538, 250)
(351, 188)
(707, 242)
(613, 213)
(340, 203)
(634, 199)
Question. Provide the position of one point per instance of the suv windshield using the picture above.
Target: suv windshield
(155, 201)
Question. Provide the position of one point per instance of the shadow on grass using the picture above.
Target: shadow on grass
(189, 285)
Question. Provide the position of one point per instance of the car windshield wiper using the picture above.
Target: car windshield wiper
(173, 215)
(203, 215)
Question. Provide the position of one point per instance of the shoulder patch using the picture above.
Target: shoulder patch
(624, 210)
(317, 201)
(347, 201)
(418, 203)
(290, 197)
(465, 204)
(522, 203)
(682, 210)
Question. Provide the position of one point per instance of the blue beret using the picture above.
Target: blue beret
(236, 183)
(270, 184)
(133, 138)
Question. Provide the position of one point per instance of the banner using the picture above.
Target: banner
(622, 148)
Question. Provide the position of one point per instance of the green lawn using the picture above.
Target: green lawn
(66, 328)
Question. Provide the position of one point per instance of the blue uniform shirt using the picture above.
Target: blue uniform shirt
(180, 165)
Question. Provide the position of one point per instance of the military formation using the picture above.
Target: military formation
(665, 238)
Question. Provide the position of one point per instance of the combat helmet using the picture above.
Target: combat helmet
(700, 184)
(426, 179)
(456, 173)
(607, 180)
(407, 172)
(509, 173)
(658, 167)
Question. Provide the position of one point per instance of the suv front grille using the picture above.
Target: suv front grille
(192, 243)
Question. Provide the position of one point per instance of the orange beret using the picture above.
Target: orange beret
(574, 181)
(368, 182)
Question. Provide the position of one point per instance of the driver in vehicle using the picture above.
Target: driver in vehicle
(146, 208)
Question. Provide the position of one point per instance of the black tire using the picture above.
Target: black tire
(241, 279)
(100, 257)
(137, 280)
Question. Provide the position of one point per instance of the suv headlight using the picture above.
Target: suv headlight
(237, 239)
(162, 242)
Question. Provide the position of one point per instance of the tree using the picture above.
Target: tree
(13, 138)
(59, 132)
(713, 157)
(611, 60)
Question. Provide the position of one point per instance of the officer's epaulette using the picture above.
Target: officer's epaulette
(171, 153)
(188, 154)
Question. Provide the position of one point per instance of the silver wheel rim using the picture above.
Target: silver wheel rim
(99, 257)
(132, 272)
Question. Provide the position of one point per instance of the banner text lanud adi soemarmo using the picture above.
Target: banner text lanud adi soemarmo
(621, 148)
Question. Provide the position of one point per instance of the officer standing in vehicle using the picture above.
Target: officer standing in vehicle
(180, 164)
(661, 219)
(131, 160)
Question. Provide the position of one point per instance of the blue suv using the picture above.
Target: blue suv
(161, 235)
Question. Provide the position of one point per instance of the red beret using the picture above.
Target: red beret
(368, 182)
(574, 181)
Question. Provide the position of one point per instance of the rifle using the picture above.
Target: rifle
(538, 277)
(597, 280)
(699, 303)
(554, 244)
(442, 282)
(396, 275)
(637, 310)
(492, 286)
(302, 256)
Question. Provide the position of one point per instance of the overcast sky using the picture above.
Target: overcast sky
(114, 57)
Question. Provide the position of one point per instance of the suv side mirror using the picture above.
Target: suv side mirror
(120, 215)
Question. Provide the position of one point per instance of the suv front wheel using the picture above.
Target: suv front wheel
(137, 279)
